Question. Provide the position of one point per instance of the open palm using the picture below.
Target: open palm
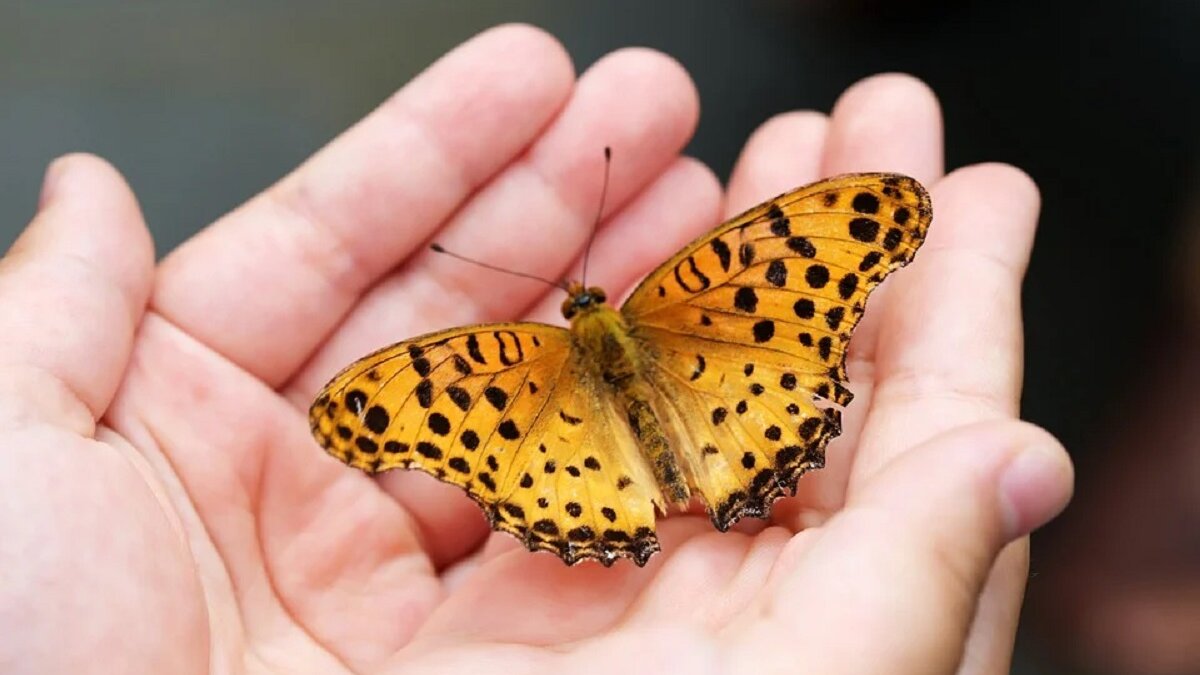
(196, 527)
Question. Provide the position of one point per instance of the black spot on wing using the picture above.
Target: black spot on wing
(817, 276)
(470, 439)
(746, 254)
(511, 351)
(780, 226)
(764, 330)
(870, 260)
(461, 365)
(697, 281)
(438, 424)
(802, 246)
(425, 393)
(848, 285)
(426, 449)
(724, 255)
(745, 299)
(805, 308)
(496, 396)
(892, 239)
(777, 273)
(473, 350)
(865, 202)
(355, 400)
(864, 229)
(508, 430)
(459, 397)
(833, 318)
(376, 419)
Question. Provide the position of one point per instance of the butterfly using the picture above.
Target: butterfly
(719, 378)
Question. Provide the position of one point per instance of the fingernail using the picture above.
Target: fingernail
(51, 180)
(1033, 489)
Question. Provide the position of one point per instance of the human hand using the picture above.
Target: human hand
(165, 510)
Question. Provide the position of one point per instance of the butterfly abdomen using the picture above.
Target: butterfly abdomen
(617, 359)
(654, 443)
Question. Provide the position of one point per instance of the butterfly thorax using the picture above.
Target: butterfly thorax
(616, 359)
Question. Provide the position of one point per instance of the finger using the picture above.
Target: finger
(993, 631)
(683, 201)
(952, 353)
(784, 153)
(72, 291)
(265, 284)
(535, 216)
(892, 123)
(985, 217)
(888, 122)
(911, 551)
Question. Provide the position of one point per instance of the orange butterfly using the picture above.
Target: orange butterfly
(704, 383)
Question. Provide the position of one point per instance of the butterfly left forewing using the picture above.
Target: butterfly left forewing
(431, 402)
(756, 315)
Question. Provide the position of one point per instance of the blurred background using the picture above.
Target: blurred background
(202, 105)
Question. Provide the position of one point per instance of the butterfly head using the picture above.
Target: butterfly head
(581, 299)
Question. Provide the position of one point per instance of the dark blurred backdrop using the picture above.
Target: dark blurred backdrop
(203, 107)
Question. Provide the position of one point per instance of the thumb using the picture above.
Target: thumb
(895, 577)
(72, 290)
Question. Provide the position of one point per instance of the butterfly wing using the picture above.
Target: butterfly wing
(506, 412)
(749, 326)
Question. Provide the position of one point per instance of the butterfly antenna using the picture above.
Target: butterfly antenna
(556, 284)
(587, 252)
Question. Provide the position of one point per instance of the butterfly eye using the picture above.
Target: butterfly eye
(598, 295)
(569, 308)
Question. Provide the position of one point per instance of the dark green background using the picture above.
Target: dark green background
(202, 106)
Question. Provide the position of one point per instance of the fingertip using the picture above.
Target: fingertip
(782, 153)
(646, 72)
(895, 87)
(704, 184)
(526, 42)
(1005, 477)
(990, 208)
(88, 210)
(636, 101)
(81, 272)
(76, 171)
(102, 221)
(523, 75)
(1018, 187)
(887, 122)
(1036, 484)
(795, 127)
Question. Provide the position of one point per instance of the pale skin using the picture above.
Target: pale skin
(163, 508)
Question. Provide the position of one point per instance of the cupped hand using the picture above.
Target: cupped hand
(163, 508)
